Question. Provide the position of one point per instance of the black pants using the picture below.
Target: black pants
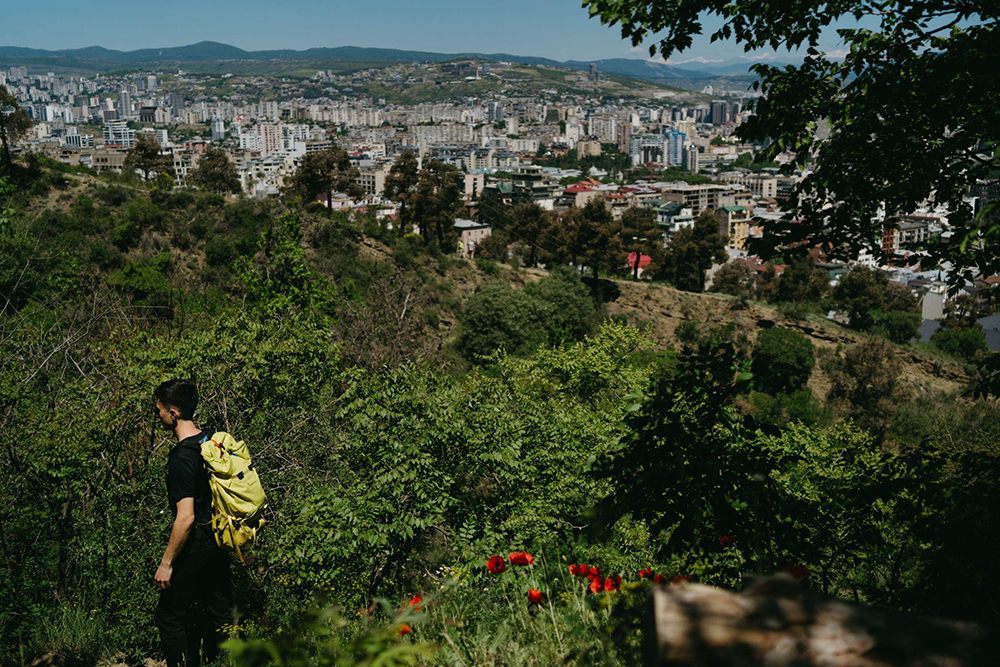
(198, 604)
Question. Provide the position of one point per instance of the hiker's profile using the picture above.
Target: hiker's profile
(195, 602)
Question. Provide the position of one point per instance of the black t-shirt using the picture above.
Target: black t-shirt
(187, 478)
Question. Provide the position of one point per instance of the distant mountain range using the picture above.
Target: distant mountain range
(98, 58)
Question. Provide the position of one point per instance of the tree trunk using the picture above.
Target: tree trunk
(6, 148)
(780, 623)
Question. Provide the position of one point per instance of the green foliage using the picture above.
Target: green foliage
(144, 283)
(786, 407)
(866, 296)
(783, 360)
(556, 309)
(898, 326)
(682, 468)
(692, 252)
(215, 172)
(962, 343)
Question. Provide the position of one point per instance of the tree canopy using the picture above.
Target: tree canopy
(215, 173)
(911, 117)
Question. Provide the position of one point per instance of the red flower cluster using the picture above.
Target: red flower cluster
(613, 583)
(416, 601)
(579, 569)
(535, 597)
(404, 630)
(496, 564)
(726, 541)
(522, 558)
(660, 579)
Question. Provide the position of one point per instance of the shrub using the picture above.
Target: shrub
(500, 316)
(963, 343)
(898, 326)
(783, 360)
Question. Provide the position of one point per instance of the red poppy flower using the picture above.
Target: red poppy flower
(535, 597)
(726, 541)
(659, 579)
(404, 630)
(613, 583)
(416, 601)
(522, 558)
(596, 584)
(579, 569)
(645, 574)
(799, 571)
(496, 564)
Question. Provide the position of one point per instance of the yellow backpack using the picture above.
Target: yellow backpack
(237, 495)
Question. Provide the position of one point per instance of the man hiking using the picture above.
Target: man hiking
(193, 571)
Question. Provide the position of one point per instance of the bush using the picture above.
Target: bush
(785, 408)
(963, 343)
(783, 360)
(554, 310)
(500, 316)
(898, 326)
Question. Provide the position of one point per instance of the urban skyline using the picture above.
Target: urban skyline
(557, 30)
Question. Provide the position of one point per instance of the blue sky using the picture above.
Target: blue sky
(559, 29)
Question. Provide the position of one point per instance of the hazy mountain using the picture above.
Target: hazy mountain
(101, 58)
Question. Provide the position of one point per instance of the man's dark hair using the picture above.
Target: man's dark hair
(179, 394)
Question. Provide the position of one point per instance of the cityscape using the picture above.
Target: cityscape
(636, 333)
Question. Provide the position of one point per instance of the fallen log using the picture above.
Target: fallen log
(780, 623)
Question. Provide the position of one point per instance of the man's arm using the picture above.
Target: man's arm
(179, 534)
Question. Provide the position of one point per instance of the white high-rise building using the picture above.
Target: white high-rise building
(118, 132)
(218, 129)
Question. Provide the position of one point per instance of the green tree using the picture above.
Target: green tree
(681, 467)
(528, 222)
(14, 123)
(566, 308)
(801, 282)
(736, 278)
(642, 235)
(436, 204)
(500, 316)
(595, 237)
(693, 251)
(146, 158)
(865, 294)
(324, 173)
(964, 343)
(898, 326)
(783, 360)
(874, 101)
(866, 384)
(215, 173)
(399, 185)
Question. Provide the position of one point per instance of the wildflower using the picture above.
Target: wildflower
(798, 571)
(522, 558)
(404, 630)
(496, 564)
(579, 570)
(535, 597)
(596, 584)
(416, 601)
(659, 579)
(613, 583)
(726, 541)
(645, 574)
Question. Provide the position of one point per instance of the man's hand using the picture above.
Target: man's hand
(162, 576)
